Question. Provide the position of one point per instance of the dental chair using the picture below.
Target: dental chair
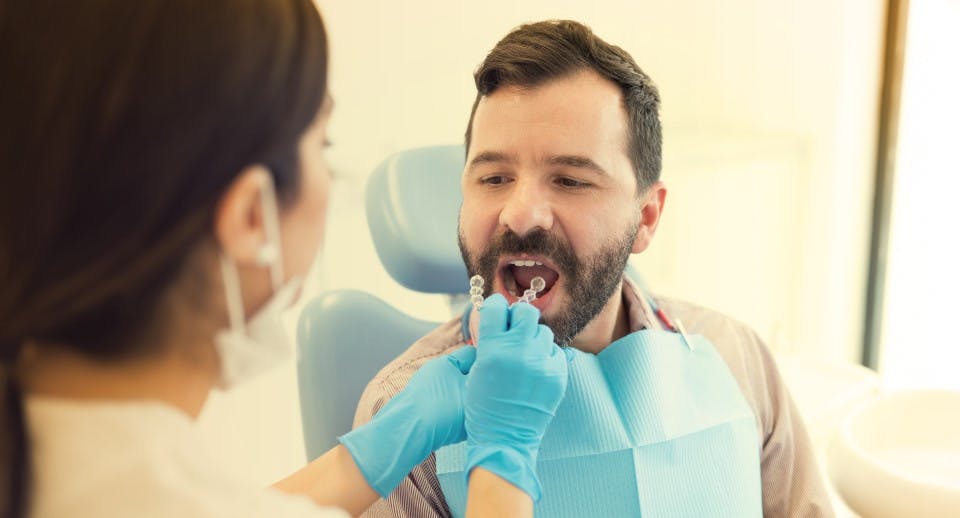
(345, 337)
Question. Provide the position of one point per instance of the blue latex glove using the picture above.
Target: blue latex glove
(516, 383)
(425, 416)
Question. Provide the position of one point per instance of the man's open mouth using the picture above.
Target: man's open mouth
(517, 273)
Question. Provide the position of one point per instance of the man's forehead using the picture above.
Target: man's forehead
(577, 120)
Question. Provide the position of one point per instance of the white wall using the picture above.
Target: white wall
(769, 109)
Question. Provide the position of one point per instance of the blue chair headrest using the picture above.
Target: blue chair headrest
(413, 203)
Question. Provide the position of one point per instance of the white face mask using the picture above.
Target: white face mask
(252, 347)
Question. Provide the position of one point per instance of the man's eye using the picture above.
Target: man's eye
(571, 183)
(493, 180)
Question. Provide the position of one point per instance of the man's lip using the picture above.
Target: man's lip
(505, 260)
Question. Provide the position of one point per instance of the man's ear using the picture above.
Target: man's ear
(651, 207)
(238, 221)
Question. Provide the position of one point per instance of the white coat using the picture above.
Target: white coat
(144, 459)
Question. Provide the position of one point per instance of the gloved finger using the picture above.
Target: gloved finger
(463, 358)
(561, 357)
(524, 319)
(540, 345)
(493, 316)
(545, 335)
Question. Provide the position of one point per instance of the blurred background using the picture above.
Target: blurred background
(809, 155)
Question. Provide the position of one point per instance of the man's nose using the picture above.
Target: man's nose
(527, 208)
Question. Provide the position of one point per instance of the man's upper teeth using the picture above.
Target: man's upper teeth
(526, 263)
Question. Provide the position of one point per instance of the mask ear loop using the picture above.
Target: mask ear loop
(270, 253)
(231, 285)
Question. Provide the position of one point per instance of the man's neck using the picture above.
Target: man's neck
(610, 325)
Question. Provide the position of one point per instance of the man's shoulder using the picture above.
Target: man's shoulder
(728, 335)
(740, 347)
(393, 377)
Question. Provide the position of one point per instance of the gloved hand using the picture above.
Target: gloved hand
(516, 383)
(425, 416)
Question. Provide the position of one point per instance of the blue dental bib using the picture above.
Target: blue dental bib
(649, 427)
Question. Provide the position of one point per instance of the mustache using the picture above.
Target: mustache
(536, 242)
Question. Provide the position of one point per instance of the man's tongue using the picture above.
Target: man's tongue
(524, 276)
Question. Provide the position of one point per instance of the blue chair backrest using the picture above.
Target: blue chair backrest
(344, 338)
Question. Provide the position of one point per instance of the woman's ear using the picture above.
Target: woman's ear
(239, 223)
(651, 207)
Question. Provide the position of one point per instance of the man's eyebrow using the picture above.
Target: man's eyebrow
(580, 162)
(491, 157)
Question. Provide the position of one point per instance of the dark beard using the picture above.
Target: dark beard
(589, 283)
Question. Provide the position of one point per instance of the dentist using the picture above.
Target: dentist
(162, 188)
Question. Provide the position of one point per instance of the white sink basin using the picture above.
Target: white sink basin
(899, 455)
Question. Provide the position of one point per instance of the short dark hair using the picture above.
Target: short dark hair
(536, 53)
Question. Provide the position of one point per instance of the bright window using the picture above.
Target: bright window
(920, 344)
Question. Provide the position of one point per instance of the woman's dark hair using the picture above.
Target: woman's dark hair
(536, 53)
(122, 122)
